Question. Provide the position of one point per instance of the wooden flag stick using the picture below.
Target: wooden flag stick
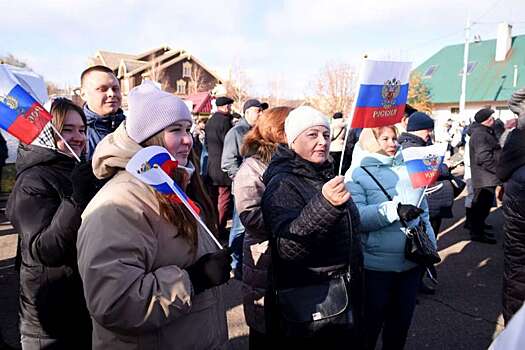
(67, 144)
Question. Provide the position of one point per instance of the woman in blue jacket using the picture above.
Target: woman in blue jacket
(391, 281)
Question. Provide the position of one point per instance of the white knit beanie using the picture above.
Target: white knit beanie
(151, 110)
(302, 118)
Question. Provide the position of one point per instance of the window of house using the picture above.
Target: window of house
(454, 110)
(186, 70)
(430, 70)
(470, 68)
(181, 87)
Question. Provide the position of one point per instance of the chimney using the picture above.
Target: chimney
(503, 41)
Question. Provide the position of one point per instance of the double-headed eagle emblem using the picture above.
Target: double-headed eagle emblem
(390, 91)
(431, 161)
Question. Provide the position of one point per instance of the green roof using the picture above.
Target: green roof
(488, 81)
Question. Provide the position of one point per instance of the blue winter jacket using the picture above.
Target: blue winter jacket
(383, 237)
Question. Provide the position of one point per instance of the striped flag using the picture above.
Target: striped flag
(20, 114)
(423, 163)
(382, 94)
(152, 165)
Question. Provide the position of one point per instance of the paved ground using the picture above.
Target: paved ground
(464, 313)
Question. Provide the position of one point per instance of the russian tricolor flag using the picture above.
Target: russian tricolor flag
(20, 114)
(423, 163)
(152, 165)
(382, 95)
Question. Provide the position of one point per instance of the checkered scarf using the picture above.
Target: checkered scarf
(46, 139)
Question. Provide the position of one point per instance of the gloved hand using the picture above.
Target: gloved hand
(210, 270)
(408, 212)
(84, 183)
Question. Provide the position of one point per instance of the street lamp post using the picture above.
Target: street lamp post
(463, 96)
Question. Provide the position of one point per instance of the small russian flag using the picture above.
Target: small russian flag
(152, 165)
(382, 95)
(423, 163)
(20, 114)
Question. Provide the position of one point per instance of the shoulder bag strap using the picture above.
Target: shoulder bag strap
(377, 182)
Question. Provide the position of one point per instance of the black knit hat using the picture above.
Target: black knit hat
(419, 121)
(483, 114)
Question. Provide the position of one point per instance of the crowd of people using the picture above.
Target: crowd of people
(106, 262)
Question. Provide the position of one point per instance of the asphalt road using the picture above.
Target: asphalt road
(463, 314)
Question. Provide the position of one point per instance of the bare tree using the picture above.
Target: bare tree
(14, 61)
(333, 89)
(237, 87)
(198, 81)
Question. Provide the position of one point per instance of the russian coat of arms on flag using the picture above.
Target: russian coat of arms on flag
(382, 93)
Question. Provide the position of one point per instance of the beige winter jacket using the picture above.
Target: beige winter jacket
(132, 265)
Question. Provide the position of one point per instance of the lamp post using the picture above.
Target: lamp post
(463, 96)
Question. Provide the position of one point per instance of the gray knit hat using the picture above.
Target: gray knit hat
(151, 110)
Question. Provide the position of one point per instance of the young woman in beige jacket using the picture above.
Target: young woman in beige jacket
(151, 275)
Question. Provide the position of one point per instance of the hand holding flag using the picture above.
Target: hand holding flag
(152, 165)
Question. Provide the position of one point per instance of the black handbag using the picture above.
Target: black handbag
(418, 246)
(306, 310)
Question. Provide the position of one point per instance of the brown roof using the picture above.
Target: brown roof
(112, 59)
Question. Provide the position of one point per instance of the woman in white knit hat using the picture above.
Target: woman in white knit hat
(314, 240)
(151, 275)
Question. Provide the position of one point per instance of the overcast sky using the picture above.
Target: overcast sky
(287, 41)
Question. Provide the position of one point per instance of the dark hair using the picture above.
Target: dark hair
(59, 108)
(97, 68)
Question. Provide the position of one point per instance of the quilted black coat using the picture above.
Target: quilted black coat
(309, 233)
(511, 171)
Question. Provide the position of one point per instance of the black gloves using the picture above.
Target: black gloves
(84, 183)
(210, 270)
(408, 212)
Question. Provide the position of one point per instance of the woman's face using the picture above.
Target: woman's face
(178, 140)
(313, 144)
(387, 140)
(74, 132)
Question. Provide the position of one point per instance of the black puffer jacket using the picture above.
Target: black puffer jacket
(52, 302)
(310, 234)
(511, 170)
(440, 202)
(484, 152)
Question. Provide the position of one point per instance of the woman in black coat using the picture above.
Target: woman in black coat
(45, 205)
(313, 224)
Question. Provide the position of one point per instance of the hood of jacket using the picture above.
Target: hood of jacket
(29, 156)
(286, 160)
(407, 140)
(107, 123)
(113, 153)
(477, 127)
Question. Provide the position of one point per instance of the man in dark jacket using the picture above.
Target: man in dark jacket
(219, 183)
(231, 161)
(100, 90)
(484, 155)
